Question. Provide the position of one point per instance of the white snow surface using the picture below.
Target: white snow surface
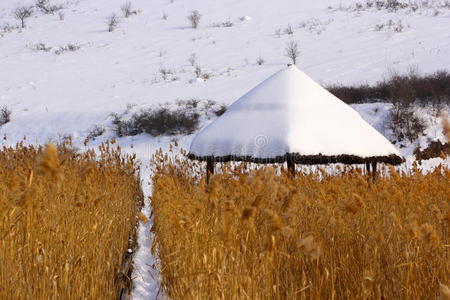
(52, 96)
(290, 113)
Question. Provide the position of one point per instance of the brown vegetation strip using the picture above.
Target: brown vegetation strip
(404, 88)
(65, 221)
(261, 235)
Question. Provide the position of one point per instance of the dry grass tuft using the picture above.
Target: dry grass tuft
(264, 235)
(48, 163)
(65, 221)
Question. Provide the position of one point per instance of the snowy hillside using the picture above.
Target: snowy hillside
(53, 94)
(65, 73)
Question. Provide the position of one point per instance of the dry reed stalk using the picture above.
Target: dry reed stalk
(65, 220)
(313, 237)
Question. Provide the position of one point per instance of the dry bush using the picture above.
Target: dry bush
(22, 13)
(166, 119)
(46, 7)
(289, 30)
(127, 10)
(67, 48)
(410, 6)
(201, 74)
(406, 88)
(8, 28)
(390, 25)
(260, 61)
(291, 51)
(434, 149)
(158, 121)
(260, 235)
(40, 47)
(437, 148)
(165, 73)
(95, 132)
(221, 110)
(5, 115)
(192, 59)
(405, 124)
(112, 22)
(65, 221)
(194, 18)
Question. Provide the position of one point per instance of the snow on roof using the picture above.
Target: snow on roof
(289, 113)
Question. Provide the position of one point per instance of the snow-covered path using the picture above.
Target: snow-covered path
(146, 281)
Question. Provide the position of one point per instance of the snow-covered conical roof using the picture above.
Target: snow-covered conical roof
(290, 114)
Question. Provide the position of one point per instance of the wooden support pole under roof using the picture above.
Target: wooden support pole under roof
(290, 165)
(209, 168)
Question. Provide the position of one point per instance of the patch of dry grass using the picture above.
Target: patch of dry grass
(263, 235)
(65, 221)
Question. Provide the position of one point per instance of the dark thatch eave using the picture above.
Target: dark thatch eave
(318, 159)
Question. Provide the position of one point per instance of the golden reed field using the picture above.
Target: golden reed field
(65, 221)
(263, 235)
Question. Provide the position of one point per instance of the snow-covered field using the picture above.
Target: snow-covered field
(54, 93)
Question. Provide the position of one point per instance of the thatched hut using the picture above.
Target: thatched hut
(291, 118)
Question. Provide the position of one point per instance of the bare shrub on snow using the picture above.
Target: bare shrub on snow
(398, 27)
(42, 47)
(405, 124)
(315, 25)
(47, 8)
(221, 110)
(278, 33)
(94, 133)
(112, 22)
(201, 74)
(291, 51)
(433, 6)
(165, 73)
(167, 120)
(126, 9)
(198, 71)
(391, 25)
(260, 61)
(194, 18)
(7, 28)
(67, 48)
(158, 121)
(223, 24)
(203, 107)
(22, 13)
(227, 24)
(5, 115)
(192, 59)
(289, 30)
